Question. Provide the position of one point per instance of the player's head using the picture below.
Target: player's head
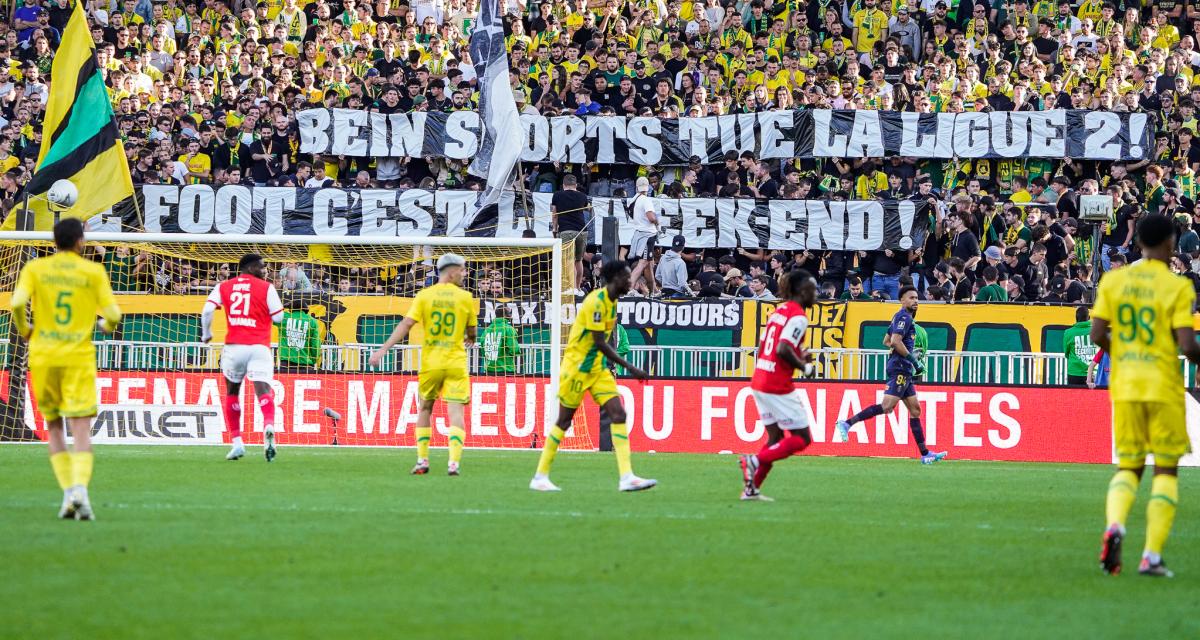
(252, 264)
(452, 268)
(908, 299)
(616, 276)
(68, 234)
(1156, 237)
(1082, 314)
(799, 286)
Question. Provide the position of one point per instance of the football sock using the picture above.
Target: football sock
(457, 436)
(914, 425)
(550, 449)
(1160, 512)
(620, 440)
(81, 468)
(770, 454)
(266, 404)
(866, 414)
(423, 435)
(233, 416)
(61, 463)
(1122, 492)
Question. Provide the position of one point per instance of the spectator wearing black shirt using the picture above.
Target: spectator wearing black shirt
(712, 283)
(568, 208)
(964, 244)
(960, 284)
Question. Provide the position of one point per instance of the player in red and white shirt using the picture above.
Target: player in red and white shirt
(780, 406)
(251, 306)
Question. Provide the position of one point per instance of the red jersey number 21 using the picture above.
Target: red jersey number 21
(240, 304)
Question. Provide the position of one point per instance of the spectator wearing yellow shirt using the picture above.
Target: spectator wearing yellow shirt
(198, 165)
(870, 26)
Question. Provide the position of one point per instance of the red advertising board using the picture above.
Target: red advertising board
(693, 416)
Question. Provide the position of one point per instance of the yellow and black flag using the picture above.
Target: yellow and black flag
(80, 141)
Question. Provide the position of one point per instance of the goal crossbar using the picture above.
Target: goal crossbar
(245, 238)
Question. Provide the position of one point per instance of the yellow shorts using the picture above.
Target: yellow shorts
(452, 385)
(1140, 428)
(601, 384)
(64, 392)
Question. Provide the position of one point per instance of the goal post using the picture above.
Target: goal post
(343, 296)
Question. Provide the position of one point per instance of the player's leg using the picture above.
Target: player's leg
(541, 478)
(233, 367)
(787, 434)
(891, 398)
(918, 432)
(260, 369)
(46, 391)
(612, 405)
(458, 435)
(429, 387)
(1168, 442)
(82, 461)
(456, 391)
(1130, 433)
(603, 388)
(78, 408)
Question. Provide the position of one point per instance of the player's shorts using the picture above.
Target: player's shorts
(601, 384)
(247, 361)
(642, 246)
(787, 410)
(64, 392)
(1140, 428)
(451, 385)
(900, 384)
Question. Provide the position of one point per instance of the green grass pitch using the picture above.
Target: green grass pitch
(342, 543)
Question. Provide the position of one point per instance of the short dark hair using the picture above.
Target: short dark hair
(68, 232)
(854, 281)
(990, 274)
(248, 260)
(612, 269)
(1082, 313)
(904, 290)
(1154, 230)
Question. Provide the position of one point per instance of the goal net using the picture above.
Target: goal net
(158, 383)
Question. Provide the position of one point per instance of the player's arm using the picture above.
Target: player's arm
(1181, 323)
(274, 305)
(19, 302)
(110, 313)
(1091, 374)
(471, 335)
(609, 352)
(206, 315)
(1101, 314)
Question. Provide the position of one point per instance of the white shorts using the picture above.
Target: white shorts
(788, 410)
(641, 247)
(253, 361)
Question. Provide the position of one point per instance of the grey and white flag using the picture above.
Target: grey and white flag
(500, 145)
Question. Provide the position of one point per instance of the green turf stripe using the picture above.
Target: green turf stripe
(1168, 499)
(617, 435)
(1120, 484)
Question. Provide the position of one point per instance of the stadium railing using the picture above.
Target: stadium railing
(998, 368)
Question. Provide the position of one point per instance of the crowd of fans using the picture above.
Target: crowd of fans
(207, 92)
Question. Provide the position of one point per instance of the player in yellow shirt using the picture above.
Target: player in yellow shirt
(68, 292)
(1143, 319)
(447, 315)
(585, 370)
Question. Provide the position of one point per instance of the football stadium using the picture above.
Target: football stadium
(599, 318)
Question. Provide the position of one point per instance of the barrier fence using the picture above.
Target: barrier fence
(997, 368)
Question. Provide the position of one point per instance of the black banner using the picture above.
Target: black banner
(705, 222)
(802, 133)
